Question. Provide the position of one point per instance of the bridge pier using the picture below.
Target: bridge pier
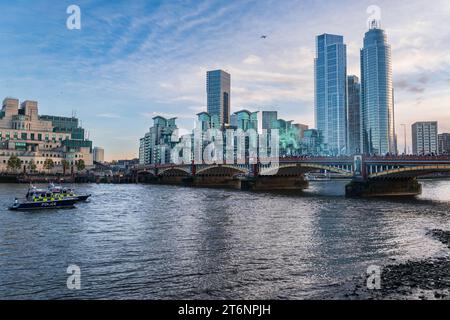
(384, 188)
(171, 180)
(213, 182)
(275, 183)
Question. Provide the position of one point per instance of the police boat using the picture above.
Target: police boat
(43, 199)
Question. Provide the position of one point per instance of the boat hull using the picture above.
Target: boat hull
(60, 204)
(82, 198)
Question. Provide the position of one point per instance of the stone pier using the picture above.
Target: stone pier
(275, 183)
(384, 188)
(225, 182)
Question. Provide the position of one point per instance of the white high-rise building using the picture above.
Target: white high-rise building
(99, 155)
(425, 138)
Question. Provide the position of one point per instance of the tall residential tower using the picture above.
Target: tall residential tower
(331, 92)
(377, 94)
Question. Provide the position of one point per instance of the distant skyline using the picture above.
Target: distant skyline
(136, 59)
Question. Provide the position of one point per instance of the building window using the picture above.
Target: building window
(32, 136)
(40, 136)
(24, 136)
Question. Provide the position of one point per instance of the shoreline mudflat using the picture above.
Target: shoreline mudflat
(413, 280)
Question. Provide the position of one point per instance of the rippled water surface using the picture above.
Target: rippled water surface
(157, 242)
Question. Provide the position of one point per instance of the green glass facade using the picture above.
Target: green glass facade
(71, 126)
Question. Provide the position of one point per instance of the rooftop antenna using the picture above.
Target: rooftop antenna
(375, 24)
(374, 19)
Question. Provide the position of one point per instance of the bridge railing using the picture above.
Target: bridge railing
(309, 159)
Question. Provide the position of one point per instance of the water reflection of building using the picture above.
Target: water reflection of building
(34, 138)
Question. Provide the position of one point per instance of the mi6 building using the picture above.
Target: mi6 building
(34, 138)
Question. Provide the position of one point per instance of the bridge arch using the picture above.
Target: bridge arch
(222, 170)
(145, 172)
(301, 168)
(174, 171)
(411, 172)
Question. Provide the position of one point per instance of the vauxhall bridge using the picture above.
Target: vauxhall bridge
(370, 176)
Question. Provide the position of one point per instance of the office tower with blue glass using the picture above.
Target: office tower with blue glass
(353, 115)
(377, 94)
(331, 91)
(218, 88)
(245, 120)
(269, 120)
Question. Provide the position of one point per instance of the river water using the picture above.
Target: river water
(162, 242)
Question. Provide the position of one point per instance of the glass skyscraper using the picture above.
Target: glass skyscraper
(331, 92)
(218, 88)
(377, 97)
(354, 115)
(269, 120)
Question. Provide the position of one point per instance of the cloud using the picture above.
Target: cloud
(252, 59)
(109, 115)
(151, 115)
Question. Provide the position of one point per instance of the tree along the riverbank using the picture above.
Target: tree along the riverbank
(80, 165)
(49, 165)
(14, 163)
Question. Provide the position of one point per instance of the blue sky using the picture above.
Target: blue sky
(135, 59)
